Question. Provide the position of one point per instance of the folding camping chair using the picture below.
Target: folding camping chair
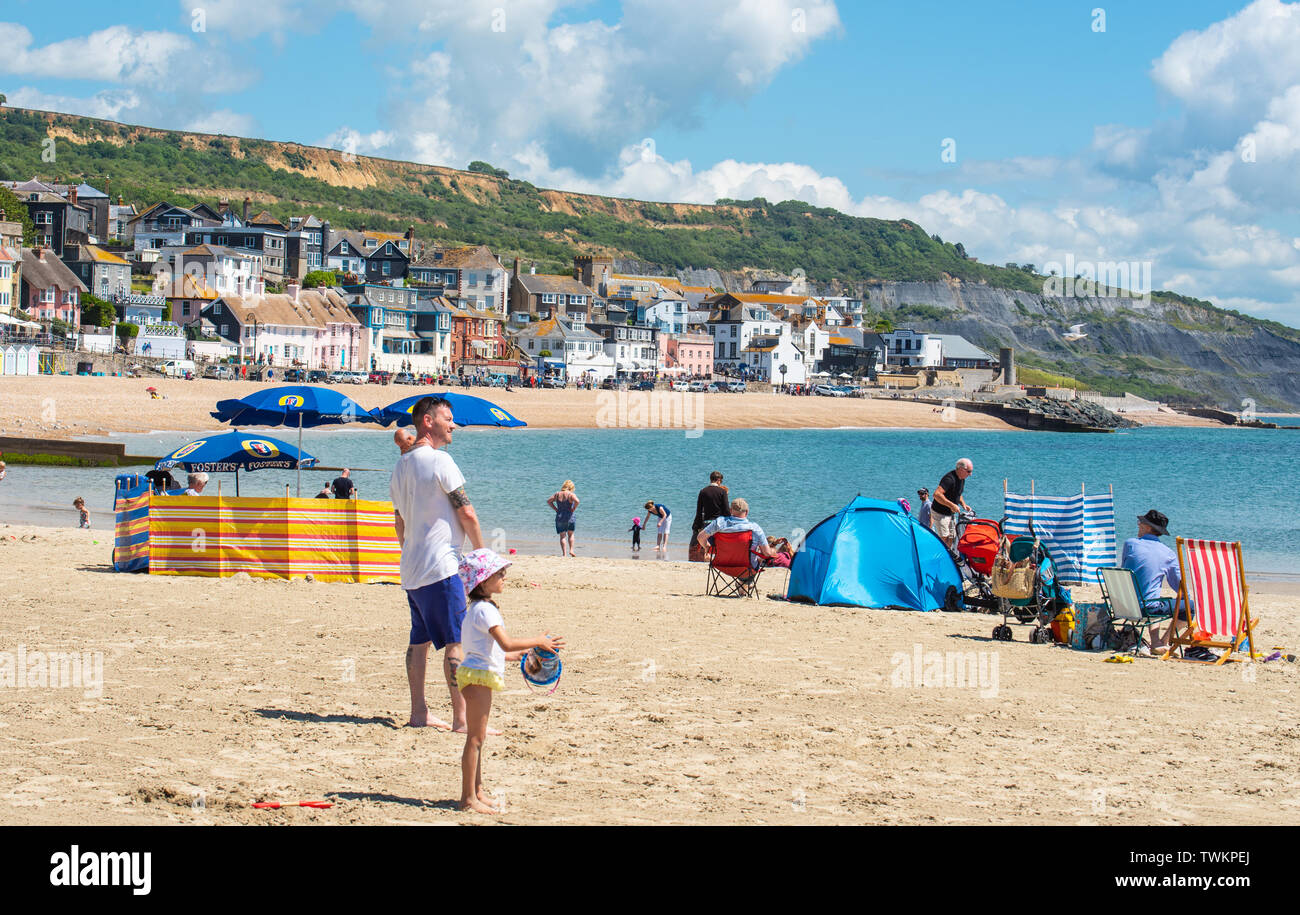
(730, 572)
(1212, 609)
(1129, 612)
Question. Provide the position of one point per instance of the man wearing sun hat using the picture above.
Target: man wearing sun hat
(1153, 564)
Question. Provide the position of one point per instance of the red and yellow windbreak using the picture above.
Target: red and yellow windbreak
(331, 539)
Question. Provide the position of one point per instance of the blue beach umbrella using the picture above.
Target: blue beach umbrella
(300, 405)
(466, 410)
(233, 451)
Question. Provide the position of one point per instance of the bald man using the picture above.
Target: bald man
(948, 502)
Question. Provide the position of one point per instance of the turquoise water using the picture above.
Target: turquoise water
(1225, 483)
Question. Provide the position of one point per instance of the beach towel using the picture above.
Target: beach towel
(1078, 531)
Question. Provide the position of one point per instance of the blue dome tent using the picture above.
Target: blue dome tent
(872, 554)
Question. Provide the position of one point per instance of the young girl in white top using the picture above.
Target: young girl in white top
(487, 649)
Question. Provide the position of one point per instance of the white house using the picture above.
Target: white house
(733, 329)
(572, 348)
(765, 357)
(914, 349)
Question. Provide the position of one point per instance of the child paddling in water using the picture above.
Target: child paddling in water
(487, 649)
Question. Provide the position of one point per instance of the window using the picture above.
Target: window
(225, 329)
(388, 267)
(733, 351)
(343, 247)
(548, 298)
(43, 218)
(371, 243)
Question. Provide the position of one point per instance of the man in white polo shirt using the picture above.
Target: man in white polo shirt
(433, 515)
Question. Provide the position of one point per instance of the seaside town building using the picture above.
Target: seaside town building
(102, 272)
(564, 348)
(478, 344)
(372, 257)
(310, 328)
(471, 276)
(50, 291)
(774, 358)
(549, 295)
(689, 355)
(634, 350)
(163, 225)
(268, 241)
(386, 316)
(304, 246)
(11, 265)
(58, 221)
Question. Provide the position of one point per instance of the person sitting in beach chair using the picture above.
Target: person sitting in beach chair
(727, 561)
(1153, 564)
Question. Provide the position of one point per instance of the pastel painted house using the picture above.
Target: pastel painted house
(50, 290)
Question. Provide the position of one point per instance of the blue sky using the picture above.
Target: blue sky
(1126, 143)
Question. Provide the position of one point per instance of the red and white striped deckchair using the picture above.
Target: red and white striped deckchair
(1213, 595)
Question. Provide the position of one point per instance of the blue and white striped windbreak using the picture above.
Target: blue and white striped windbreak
(1078, 531)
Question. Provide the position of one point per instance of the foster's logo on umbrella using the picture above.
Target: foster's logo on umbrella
(291, 400)
(188, 449)
(260, 448)
(500, 414)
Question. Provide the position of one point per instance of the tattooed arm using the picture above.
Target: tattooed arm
(468, 518)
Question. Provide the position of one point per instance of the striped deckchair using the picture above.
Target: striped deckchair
(1078, 531)
(1212, 609)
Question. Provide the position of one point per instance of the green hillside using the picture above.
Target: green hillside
(145, 166)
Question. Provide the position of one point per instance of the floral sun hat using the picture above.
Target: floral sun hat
(477, 566)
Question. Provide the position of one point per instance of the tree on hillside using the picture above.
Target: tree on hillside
(16, 211)
(484, 168)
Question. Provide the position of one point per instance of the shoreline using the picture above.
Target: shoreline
(73, 407)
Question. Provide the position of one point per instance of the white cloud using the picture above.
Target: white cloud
(111, 104)
(119, 54)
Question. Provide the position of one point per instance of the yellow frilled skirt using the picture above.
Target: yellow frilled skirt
(469, 676)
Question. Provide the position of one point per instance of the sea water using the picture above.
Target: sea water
(1222, 483)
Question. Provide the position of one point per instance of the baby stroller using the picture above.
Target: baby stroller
(1047, 599)
(977, 547)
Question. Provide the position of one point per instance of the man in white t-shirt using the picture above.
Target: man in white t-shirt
(433, 516)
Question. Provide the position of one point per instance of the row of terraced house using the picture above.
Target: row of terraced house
(402, 304)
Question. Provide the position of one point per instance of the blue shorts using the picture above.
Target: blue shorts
(437, 611)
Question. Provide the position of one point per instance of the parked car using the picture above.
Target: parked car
(736, 387)
(222, 372)
(714, 387)
(295, 376)
(553, 381)
(498, 381)
(644, 386)
(697, 386)
(177, 368)
(825, 390)
(318, 376)
(403, 378)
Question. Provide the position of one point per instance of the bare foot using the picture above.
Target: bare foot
(487, 798)
(424, 721)
(477, 806)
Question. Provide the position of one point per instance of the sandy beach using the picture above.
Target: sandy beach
(674, 708)
(68, 406)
